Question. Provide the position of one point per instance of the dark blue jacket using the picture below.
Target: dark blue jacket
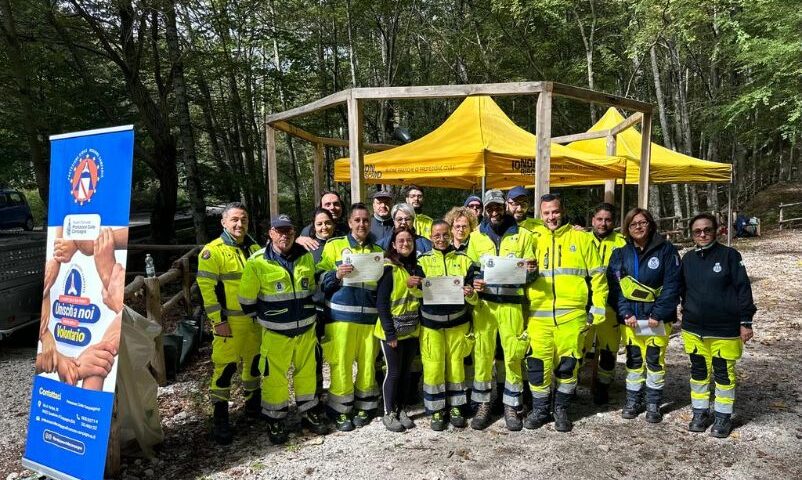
(658, 265)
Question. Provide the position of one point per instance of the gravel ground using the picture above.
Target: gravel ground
(766, 443)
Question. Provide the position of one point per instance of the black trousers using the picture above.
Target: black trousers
(398, 381)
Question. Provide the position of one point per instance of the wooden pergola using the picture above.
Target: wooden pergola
(355, 98)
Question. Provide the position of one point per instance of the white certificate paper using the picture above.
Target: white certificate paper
(368, 267)
(504, 270)
(443, 291)
(642, 329)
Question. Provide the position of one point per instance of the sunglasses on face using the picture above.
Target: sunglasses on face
(698, 232)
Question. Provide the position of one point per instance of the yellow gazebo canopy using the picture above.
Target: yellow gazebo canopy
(478, 140)
(667, 166)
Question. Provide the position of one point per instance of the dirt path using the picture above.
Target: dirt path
(767, 441)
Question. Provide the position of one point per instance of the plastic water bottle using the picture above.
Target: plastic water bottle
(150, 266)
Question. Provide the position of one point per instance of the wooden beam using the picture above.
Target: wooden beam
(592, 96)
(355, 145)
(322, 104)
(339, 142)
(446, 91)
(317, 170)
(628, 122)
(272, 170)
(645, 159)
(609, 185)
(576, 137)
(543, 152)
(295, 131)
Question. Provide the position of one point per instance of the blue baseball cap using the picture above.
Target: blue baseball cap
(282, 221)
(516, 192)
(472, 198)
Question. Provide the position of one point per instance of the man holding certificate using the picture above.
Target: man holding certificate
(446, 319)
(350, 268)
(507, 258)
(558, 312)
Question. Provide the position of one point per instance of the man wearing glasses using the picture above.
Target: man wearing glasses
(717, 311)
(518, 207)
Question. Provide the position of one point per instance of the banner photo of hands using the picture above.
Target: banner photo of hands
(82, 303)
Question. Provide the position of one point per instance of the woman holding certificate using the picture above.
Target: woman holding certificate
(644, 280)
(349, 269)
(446, 323)
(397, 300)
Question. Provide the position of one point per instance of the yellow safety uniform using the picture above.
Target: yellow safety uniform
(606, 335)
(532, 224)
(351, 313)
(714, 353)
(220, 266)
(443, 340)
(423, 225)
(558, 310)
(499, 311)
(278, 289)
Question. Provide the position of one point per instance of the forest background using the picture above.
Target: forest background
(197, 78)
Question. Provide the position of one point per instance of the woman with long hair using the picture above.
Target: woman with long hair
(397, 300)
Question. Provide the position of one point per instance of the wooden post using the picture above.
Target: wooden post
(730, 219)
(355, 145)
(272, 170)
(317, 172)
(645, 159)
(543, 152)
(609, 185)
(153, 307)
(186, 284)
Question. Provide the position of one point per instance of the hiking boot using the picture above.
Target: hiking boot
(392, 423)
(601, 394)
(482, 418)
(561, 421)
(512, 419)
(456, 418)
(343, 423)
(537, 418)
(276, 432)
(315, 422)
(633, 406)
(221, 428)
(361, 418)
(700, 421)
(405, 420)
(253, 405)
(722, 425)
(439, 421)
(653, 414)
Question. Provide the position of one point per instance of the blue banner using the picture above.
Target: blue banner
(79, 334)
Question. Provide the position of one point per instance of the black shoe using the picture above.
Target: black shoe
(601, 394)
(343, 423)
(392, 423)
(482, 418)
(253, 405)
(561, 421)
(700, 421)
(722, 425)
(221, 428)
(315, 422)
(456, 418)
(653, 414)
(439, 421)
(512, 419)
(633, 406)
(361, 418)
(537, 418)
(276, 432)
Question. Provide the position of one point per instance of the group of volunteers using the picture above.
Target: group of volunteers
(486, 295)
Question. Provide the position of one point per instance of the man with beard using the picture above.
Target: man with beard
(423, 223)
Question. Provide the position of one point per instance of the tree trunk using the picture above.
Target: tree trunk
(19, 71)
(661, 106)
(186, 139)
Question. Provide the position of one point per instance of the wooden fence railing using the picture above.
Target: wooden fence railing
(155, 309)
(787, 221)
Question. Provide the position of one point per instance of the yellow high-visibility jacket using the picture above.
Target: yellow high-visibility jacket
(568, 263)
(220, 266)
